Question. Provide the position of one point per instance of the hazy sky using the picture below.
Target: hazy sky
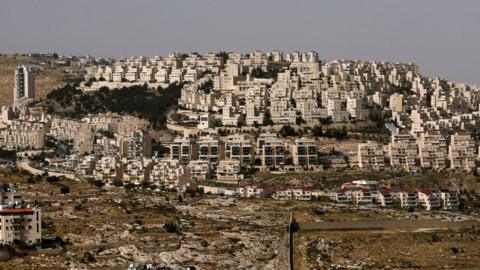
(443, 37)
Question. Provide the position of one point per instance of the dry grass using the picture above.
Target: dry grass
(92, 220)
(395, 249)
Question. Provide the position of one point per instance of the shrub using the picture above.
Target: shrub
(53, 179)
(318, 212)
(170, 227)
(117, 183)
(204, 243)
(287, 131)
(65, 189)
(97, 183)
(436, 238)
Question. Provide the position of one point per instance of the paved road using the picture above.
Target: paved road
(386, 224)
(24, 165)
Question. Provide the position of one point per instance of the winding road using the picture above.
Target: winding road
(25, 165)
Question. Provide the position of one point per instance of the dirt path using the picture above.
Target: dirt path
(386, 224)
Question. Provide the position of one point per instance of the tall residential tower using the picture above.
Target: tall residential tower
(24, 91)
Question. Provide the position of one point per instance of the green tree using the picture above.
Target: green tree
(317, 131)
(65, 189)
(287, 131)
(170, 227)
(326, 120)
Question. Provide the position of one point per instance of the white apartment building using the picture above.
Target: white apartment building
(132, 74)
(428, 200)
(239, 147)
(167, 173)
(23, 135)
(211, 149)
(281, 113)
(462, 152)
(370, 156)
(19, 222)
(229, 171)
(22, 224)
(433, 150)
(199, 169)
(205, 121)
(229, 118)
(136, 144)
(405, 199)
(448, 200)
(86, 165)
(253, 191)
(293, 193)
(360, 196)
(162, 75)
(403, 151)
(305, 153)
(396, 102)
(176, 76)
(147, 74)
(253, 116)
(355, 108)
(107, 169)
(24, 89)
(183, 149)
(383, 198)
(270, 151)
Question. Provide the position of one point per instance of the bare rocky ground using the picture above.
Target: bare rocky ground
(389, 250)
(93, 228)
(112, 229)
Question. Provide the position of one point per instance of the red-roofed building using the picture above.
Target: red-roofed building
(300, 193)
(23, 224)
(360, 196)
(448, 200)
(355, 195)
(405, 199)
(258, 190)
(428, 199)
(383, 197)
(17, 222)
(340, 196)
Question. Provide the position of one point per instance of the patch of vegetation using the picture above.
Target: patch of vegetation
(223, 55)
(65, 189)
(287, 131)
(170, 227)
(136, 100)
(271, 73)
(207, 87)
(96, 183)
(318, 131)
(8, 154)
(53, 179)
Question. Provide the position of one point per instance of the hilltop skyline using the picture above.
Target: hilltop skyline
(440, 36)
